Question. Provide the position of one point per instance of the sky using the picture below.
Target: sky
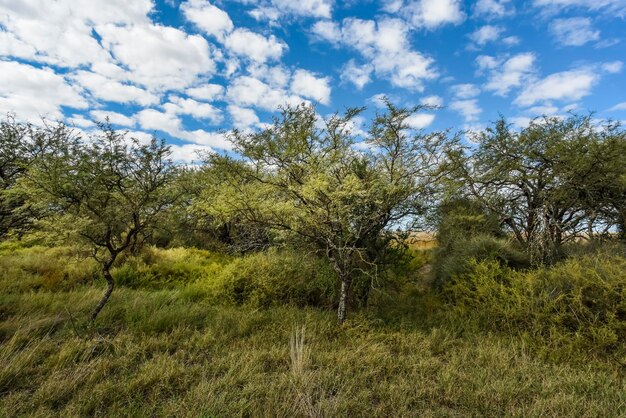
(189, 71)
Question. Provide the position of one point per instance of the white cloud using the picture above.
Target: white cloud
(243, 117)
(420, 120)
(114, 117)
(275, 9)
(210, 139)
(208, 92)
(359, 75)
(486, 34)
(493, 9)
(188, 153)
(178, 105)
(207, 17)
(614, 67)
(62, 35)
(430, 13)
(254, 46)
(618, 107)
(32, 92)
(107, 89)
(80, 121)
(248, 91)
(505, 75)
(567, 85)
(614, 7)
(327, 30)
(469, 109)
(465, 91)
(276, 76)
(432, 101)
(306, 84)
(152, 119)
(159, 57)
(575, 31)
(386, 47)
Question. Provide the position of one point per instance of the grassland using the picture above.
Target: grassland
(169, 346)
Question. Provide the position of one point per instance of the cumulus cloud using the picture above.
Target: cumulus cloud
(274, 9)
(566, 85)
(493, 9)
(486, 34)
(159, 57)
(420, 120)
(244, 42)
(469, 109)
(114, 117)
(243, 118)
(358, 75)
(429, 14)
(614, 7)
(506, 74)
(385, 46)
(575, 31)
(33, 92)
(306, 84)
(210, 19)
(208, 92)
(248, 91)
(111, 90)
(180, 106)
(465, 91)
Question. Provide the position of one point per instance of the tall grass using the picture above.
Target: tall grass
(175, 350)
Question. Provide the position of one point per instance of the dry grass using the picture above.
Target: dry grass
(172, 352)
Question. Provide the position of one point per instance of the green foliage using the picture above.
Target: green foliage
(277, 277)
(571, 310)
(161, 354)
(44, 269)
(157, 268)
(459, 256)
(467, 231)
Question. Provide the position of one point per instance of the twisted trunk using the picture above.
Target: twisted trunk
(106, 267)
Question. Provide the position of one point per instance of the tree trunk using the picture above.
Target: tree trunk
(342, 311)
(107, 293)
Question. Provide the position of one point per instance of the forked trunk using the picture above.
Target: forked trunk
(342, 311)
(107, 293)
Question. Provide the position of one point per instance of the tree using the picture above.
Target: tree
(20, 145)
(313, 183)
(112, 190)
(532, 179)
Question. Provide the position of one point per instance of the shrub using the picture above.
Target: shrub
(277, 277)
(573, 308)
(41, 268)
(460, 256)
(157, 268)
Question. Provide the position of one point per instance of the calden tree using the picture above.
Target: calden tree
(112, 190)
(534, 179)
(310, 178)
(21, 144)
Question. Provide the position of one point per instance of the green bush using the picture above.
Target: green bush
(574, 308)
(156, 268)
(42, 268)
(277, 277)
(459, 257)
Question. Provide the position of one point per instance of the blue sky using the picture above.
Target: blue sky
(188, 70)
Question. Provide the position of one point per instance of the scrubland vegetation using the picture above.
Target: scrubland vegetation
(288, 279)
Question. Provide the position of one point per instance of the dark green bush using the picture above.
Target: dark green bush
(157, 268)
(574, 308)
(277, 277)
(459, 257)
